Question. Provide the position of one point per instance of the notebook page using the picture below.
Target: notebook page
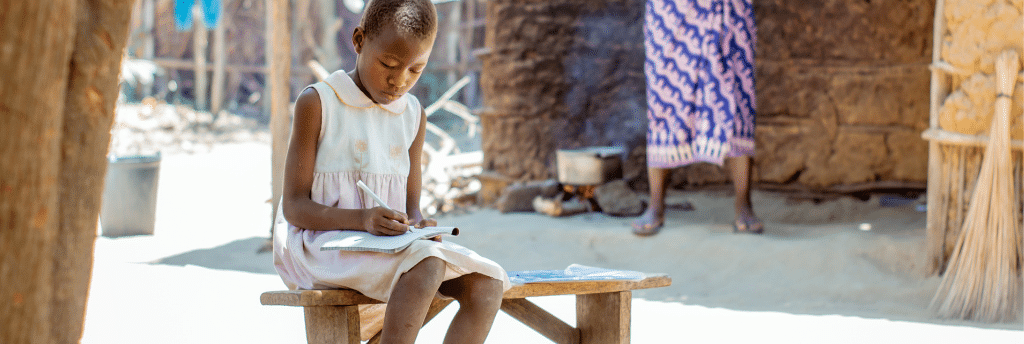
(363, 241)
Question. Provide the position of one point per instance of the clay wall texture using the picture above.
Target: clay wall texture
(842, 89)
(976, 32)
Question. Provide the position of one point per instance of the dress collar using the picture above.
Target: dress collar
(349, 94)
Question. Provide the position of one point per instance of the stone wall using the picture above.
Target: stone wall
(842, 89)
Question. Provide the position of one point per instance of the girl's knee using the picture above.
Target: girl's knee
(484, 290)
(432, 264)
(430, 270)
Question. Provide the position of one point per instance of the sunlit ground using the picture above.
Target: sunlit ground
(197, 280)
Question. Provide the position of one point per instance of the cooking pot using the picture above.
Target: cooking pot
(590, 165)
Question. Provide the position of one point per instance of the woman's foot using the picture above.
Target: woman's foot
(649, 223)
(746, 221)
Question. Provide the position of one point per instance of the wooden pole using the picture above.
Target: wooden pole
(219, 63)
(935, 229)
(148, 45)
(279, 51)
(199, 44)
(92, 91)
(36, 41)
(455, 41)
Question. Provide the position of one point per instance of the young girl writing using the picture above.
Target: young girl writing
(361, 125)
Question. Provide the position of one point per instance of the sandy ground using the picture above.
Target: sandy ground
(814, 277)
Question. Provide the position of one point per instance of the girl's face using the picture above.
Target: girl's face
(390, 63)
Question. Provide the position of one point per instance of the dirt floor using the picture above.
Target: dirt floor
(843, 270)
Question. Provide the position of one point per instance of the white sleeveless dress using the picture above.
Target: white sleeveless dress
(362, 140)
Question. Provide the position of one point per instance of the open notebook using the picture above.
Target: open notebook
(573, 273)
(362, 241)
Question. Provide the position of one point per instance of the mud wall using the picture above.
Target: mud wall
(838, 104)
(976, 32)
(560, 74)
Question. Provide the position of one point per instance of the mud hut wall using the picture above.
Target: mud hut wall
(842, 89)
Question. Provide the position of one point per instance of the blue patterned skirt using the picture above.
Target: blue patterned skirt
(700, 80)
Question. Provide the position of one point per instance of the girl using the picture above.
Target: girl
(362, 125)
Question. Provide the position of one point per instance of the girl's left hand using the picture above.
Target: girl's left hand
(428, 222)
(425, 223)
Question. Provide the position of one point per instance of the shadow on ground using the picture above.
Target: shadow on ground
(240, 255)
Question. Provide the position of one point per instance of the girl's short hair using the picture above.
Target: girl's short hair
(417, 17)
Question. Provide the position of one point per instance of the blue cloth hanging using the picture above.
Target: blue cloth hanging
(183, 13)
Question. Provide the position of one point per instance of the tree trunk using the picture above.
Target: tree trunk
(92, 90)
(35, 45)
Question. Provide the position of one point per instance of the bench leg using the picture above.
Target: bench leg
(541, 321)
(603, 318)
(332, 324)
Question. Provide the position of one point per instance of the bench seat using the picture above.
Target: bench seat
(602, 310)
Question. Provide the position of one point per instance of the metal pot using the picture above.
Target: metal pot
(589, 166)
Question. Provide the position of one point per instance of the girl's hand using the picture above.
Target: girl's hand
(428, 222)
(381, 221)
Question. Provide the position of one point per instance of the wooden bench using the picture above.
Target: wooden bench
(602, 311)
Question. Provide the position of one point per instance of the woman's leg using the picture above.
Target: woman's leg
(479, 299)
(746, 220)
(651, 221)
(410, 301)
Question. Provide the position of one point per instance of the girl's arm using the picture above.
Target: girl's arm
(415, 182)
(299, 209)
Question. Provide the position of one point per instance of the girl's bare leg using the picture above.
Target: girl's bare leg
(746, 220)
(479, 299)
(410, 300)
(651, 221)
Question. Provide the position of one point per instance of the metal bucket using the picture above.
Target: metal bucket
(129, 196)
(589, 166)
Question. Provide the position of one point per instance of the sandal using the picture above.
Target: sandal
(748, 226)
(647, 229)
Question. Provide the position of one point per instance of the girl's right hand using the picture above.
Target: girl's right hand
(386, 222)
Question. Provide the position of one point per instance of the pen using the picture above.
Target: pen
(377, 199)
(363, 186)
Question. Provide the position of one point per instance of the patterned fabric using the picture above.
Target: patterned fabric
(700, 80)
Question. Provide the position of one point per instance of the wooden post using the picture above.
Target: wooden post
(332, 324)
(36, 42)
(92, 92)
(603, 318)
(469, 28)
(219, 63)
(328, 53)
(455, 42)
(541, 321)
(148, 44)
(935, 227)
(199, 56)
(59, 63)
(279, 51)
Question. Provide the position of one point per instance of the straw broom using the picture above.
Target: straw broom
(982, 281)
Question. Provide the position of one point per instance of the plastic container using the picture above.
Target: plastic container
(129, 196)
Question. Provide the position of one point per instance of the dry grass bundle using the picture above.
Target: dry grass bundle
(982, 281)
